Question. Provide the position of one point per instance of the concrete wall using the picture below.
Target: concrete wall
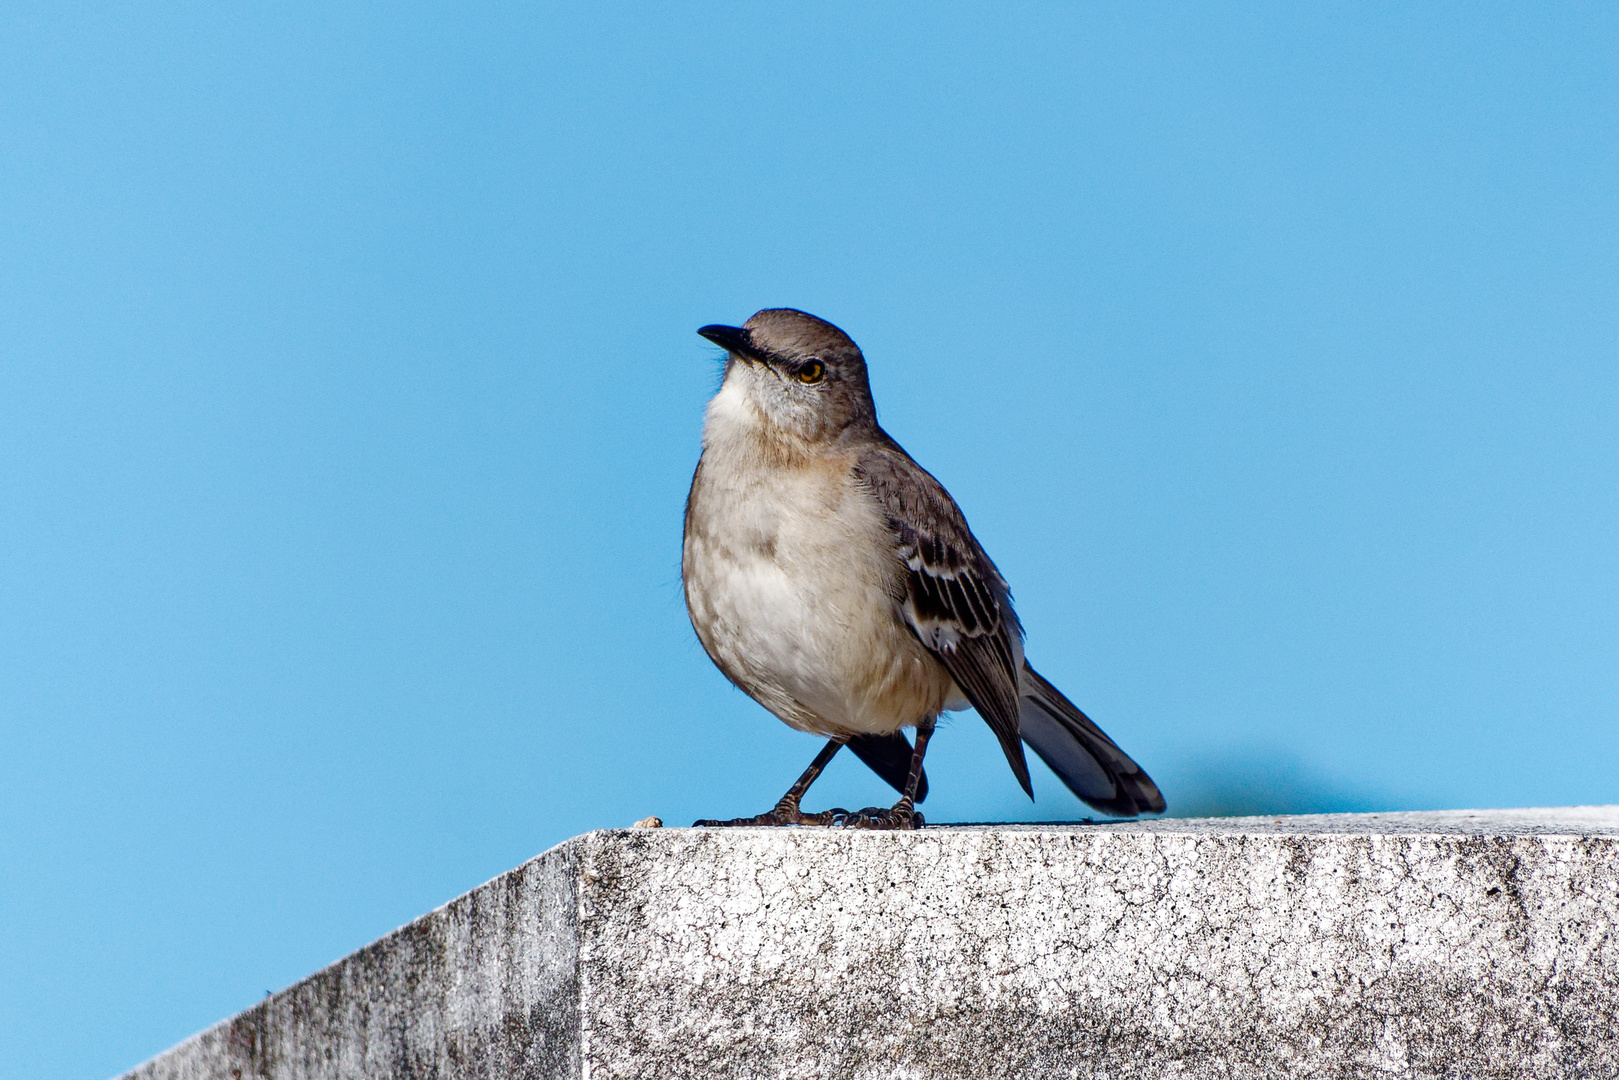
(1458, 944)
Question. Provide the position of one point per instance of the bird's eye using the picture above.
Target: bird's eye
(811, 371)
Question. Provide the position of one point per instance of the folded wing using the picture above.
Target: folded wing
(955, 601)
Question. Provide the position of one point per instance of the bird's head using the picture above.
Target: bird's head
(803, 375)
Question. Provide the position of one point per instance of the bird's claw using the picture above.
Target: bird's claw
(898, 817)
(902, 815)
(781, 815)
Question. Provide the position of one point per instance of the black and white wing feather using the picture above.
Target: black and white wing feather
(954, 600)
(959, 607)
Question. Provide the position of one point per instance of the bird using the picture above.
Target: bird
(836, 582)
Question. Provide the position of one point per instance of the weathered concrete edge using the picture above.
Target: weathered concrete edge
(484, 986)
(488, 985)
(1135, 952)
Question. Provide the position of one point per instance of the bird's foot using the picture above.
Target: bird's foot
(902, 815)
(784, 814)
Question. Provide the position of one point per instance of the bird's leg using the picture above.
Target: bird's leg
(787, 811)
(903, 814)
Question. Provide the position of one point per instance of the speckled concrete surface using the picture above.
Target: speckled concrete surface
(1460, 944)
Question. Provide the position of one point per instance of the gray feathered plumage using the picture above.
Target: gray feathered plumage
(958, 604)
(836, 581)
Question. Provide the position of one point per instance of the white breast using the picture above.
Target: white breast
(790, 582)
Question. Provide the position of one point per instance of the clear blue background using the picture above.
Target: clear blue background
(349, 393)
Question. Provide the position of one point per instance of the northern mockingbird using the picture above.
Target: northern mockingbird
(837, 583)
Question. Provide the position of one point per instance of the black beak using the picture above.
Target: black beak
(733, 339)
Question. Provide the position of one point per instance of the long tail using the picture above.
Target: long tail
(1079, 752)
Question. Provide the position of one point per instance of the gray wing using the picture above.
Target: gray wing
(955, 601)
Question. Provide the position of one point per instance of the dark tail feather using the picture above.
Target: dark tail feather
(889, 756)
(1079, 752)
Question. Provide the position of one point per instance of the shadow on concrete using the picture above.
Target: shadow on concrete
(1252, 783)
(1234, 781)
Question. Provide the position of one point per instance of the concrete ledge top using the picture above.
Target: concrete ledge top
(1450, 944)
(1534, 821)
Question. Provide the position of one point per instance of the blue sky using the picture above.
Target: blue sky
(349, 393)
